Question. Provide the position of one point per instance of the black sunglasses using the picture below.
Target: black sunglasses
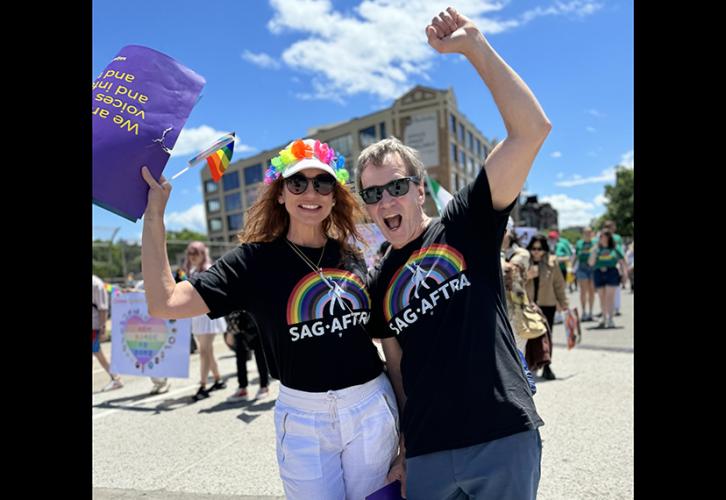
(322, 184)
(537, 249)
(397, 187)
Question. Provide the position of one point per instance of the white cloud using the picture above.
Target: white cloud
(378, 46)
(607, 175)
(263, 60)
(595, 113)
(192, 218)
(194, 140)
(571, 211)
(590, 129)
(577, 8)
(601, 199)
(556, 154)
(628, 160)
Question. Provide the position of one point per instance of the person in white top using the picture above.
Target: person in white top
(99, 302)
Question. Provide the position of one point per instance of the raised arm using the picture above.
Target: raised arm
(508, 164)
(164, 298)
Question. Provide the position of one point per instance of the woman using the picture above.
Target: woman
(584, 273)
(546, 287)
(204, 329)
(296, 272)
(605, 259)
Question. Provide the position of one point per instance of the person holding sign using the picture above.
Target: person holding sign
(297, 272)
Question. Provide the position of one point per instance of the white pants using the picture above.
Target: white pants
(336, 445)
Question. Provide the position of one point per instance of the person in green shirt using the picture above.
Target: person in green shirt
(606, 258)
(563, 252)
(610, 226)
(584, 273)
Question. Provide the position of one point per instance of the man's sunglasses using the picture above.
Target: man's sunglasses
(397, 187)
(322, 184)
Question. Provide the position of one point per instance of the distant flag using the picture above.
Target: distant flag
(218, 156)
(440, 195)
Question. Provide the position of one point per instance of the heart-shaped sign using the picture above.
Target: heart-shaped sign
(145, 337)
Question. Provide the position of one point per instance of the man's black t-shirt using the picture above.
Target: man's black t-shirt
(313, 329)
(442, 297)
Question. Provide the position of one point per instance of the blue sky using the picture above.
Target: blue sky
(276, 68)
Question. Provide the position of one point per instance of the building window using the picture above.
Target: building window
(453, 125)
(367, 136)
(213, 205)
(230, 181)
(342, 145)
(253, 174)
(251, 193)
(233, 202)
(211, 187)
(457, 182)
(454, 154)
(215, 225)
(478, 148)
(470, 141)
(382, 129)
(234, 222)
(461, 133)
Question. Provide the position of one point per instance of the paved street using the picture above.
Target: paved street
(167, 447)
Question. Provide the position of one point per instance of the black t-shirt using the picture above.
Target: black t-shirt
(313, 331)
(442, 297)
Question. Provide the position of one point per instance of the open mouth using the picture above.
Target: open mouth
(309, 208)
(393, 222)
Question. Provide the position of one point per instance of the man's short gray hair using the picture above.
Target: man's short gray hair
(377, 152)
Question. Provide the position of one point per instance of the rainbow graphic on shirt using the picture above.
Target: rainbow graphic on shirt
(437, 262)
(313, 295)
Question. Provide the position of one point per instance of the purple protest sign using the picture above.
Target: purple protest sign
(140, 104)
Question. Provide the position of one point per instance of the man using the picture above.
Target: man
(469, 423)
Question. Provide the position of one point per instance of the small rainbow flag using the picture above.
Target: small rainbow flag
(218, 156)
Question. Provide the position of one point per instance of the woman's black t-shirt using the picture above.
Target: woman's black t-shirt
(313, 327)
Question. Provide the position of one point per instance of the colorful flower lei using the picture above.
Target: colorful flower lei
(299, 150)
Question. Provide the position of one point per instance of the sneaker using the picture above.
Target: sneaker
(617, 313)
(218, 384)
(114, 384)
(240, 395)
(262, 393)
(548, 374)
(558, 318)
(160, 388)
(601, 324)
(611, 323)
(202, 393)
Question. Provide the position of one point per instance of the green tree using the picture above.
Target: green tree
(571, 235)
(619, 206)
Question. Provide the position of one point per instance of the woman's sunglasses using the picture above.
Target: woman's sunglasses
(322, 184)
(537, 249)
(397, 187)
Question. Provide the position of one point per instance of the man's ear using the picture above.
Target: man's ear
(421, 193)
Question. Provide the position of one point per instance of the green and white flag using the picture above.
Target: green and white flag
(440, 195)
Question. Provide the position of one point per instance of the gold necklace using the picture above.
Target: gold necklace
(305, 258)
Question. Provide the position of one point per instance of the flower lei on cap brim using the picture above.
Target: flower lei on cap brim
(297, 151)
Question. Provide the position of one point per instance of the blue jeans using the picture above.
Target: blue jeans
(504, 469)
